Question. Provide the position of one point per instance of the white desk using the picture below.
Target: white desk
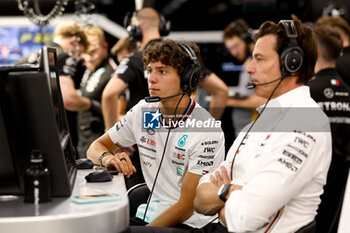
(344, 222)
(61, 215)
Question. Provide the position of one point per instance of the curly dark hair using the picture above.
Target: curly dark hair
(306, 40)
(169, 53)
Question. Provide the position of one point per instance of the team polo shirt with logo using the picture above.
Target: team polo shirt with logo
(282, 166)
(90, 123)
(333, 96)
(199, 150)
(328, 89)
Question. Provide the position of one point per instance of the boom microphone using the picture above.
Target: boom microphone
(154, 99)
(251, 85)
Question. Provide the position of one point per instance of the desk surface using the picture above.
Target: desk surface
(344, 223)
(62, 215)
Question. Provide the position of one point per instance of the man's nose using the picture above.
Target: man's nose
(152, 77)
(250, 68)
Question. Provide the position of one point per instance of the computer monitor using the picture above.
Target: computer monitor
(48, 62)
(33, 117)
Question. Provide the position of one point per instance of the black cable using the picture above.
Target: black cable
(251, 126)
(161, 161)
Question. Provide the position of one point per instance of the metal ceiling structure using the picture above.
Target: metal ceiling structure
(193, 15)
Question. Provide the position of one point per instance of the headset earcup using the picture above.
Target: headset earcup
(190, 78)
(291, 60)
(164, 26)
(247, 37)
(134, 32)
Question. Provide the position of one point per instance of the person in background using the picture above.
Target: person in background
(87, 100)
(70, 42)
(218, 91)
(181, 154)
(328, 89)
(123, 48)
(343, 28)
(238, 41)
(130, 71)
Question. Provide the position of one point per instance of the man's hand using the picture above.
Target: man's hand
(220, 178)
(122, 163)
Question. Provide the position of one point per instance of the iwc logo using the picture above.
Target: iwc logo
(328, 92)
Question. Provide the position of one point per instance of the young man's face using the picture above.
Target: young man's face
(163, 80)
(265, 65)
(237, 47)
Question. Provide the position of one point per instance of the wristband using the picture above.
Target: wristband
(103, 155)
(223, 190)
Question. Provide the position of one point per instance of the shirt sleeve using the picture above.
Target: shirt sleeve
(126, 70)
(67, 65)
(122, 133)
(290, 163)
(207, 154)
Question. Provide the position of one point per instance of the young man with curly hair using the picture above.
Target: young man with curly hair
(175, 137)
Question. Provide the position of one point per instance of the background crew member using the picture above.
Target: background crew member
(123, 48)
(99, 67)
(239, 42)
(130, 72)
(333, 96)
(218, 91)
(343, 28)
(188, 152)
(70, 42)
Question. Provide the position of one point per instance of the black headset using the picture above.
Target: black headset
(191, 73)
(135, 32)
(292, 57)
(245, 34)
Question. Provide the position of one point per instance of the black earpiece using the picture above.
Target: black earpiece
(164, 26)
(191, 73)
(292, 57)
(245, 34)
(135, 32)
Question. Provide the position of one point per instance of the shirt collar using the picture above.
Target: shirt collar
(186, 114)
(287, 99)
